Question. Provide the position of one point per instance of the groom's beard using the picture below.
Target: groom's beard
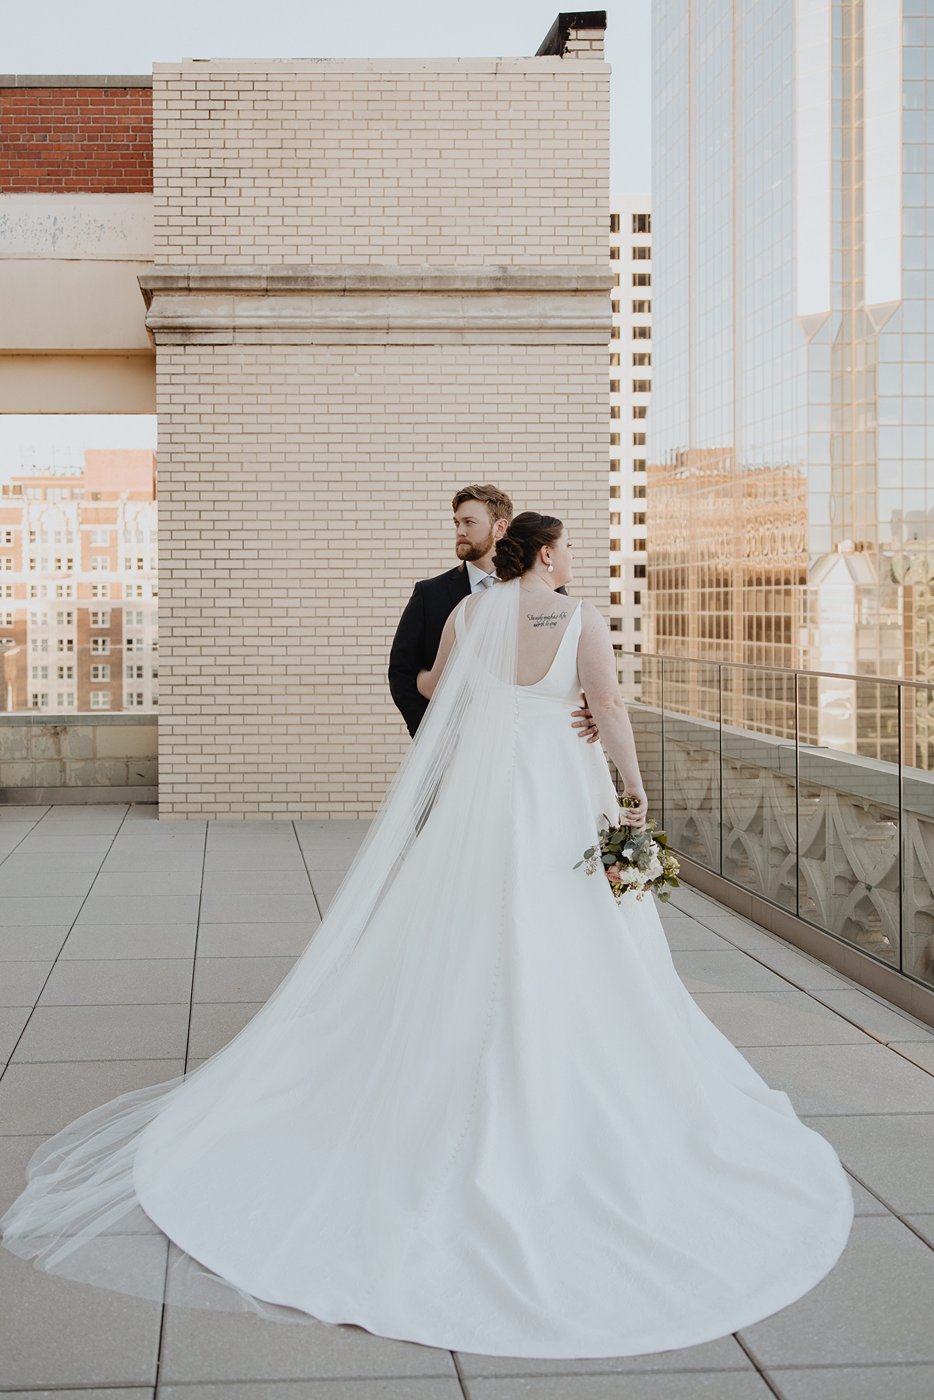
(472, 552)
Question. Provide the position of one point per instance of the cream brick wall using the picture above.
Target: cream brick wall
(306, 464)
(465, 161)
(302, 492)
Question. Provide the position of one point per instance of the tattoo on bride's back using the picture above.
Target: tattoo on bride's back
(545, 619)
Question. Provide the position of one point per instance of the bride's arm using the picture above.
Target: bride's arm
(596, 664)
(426, 681)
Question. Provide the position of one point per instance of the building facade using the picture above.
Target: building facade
(792, 420)
(630, 390)
(78, 587)
(407, 294)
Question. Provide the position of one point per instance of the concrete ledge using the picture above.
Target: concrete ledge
(888, 982)
(376, 304)
(78, 796)
(75, 80)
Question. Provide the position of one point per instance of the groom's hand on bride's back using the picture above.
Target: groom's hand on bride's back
(584, 724)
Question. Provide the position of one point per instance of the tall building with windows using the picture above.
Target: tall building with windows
(792, 422)
(78, 586)
(630, 387)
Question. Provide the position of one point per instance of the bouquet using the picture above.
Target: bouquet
(633, 860)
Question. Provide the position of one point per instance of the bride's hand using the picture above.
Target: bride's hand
(634, 815)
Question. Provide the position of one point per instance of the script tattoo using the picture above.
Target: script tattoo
(545, 619)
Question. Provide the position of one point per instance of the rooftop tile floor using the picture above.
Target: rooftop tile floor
(130, 948)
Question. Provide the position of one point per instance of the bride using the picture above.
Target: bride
(482, 1112)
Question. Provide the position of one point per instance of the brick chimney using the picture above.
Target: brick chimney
(575, 34)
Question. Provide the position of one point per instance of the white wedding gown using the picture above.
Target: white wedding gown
(512, 1131)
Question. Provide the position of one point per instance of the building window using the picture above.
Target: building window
(642, 223)
(638, 544)
(100, 590)
(641, 254)
(641, 308)
(100, 646)
(134, 673)
(135, 699)
(642, 357)
(614, 386)
(616, 599)
(639, 410)
(642, 386)
(65, 673)
(638, 493)
(638, 464)
(614, 223)
(614, 410)
(100, 563)
(615, 440)
(100, 672)
(642, 332)
(65, 644)
(638, 439)
(638, 517)
(100, 618)
(639, 571)
(100, 699)
(642, 279)
(615, 358)
(38, 699)
(614, 253)
(64, 619)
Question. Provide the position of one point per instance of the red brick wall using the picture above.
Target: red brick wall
(76, 140)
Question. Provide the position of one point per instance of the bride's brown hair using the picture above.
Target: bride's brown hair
(517, 550)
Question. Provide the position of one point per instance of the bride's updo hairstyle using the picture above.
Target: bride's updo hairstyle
(518, 549)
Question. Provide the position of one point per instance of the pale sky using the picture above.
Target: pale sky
(128, 36)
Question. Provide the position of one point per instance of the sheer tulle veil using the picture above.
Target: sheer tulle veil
(431, 875)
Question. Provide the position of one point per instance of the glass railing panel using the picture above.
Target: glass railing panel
(757, 777)
(849, 878)
(692, 758)
(640, 679)
(917, 832)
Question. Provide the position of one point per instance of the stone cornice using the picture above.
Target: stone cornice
(289, 304)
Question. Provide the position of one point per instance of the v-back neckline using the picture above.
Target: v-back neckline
(531, 685)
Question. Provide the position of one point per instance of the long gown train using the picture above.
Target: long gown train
(506, 1127)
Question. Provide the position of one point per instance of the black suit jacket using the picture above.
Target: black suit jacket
(418, 637)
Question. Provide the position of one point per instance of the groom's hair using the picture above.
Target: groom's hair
(497, 502)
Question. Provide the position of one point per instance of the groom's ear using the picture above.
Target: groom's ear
(499, 528)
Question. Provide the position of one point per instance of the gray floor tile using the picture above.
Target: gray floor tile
(216, 1346)
(908, 1382)
(410, 1388)
(12, 1021)
(214, 1024)
(724, 971)
(865, 1203)
(44, 1098)
(258, 882)
(24, 812)
(104, 1033)
(139, 909)
(25, 861)
(874, 1306)
(918, 1051)
(255, 940)
(40, 908)
(891, 1152)
(724, 1354)
(118, 981)
(15, 1153)
(644, 1385)
(875, 1016)
(798, 968)
(686, 934)
(228, 860)
(924, 1224)
(110, 1393)
(31, 942)
(30, 884)
(168, 864)
(105, 941)
(790, 1017)
(141, 884)
(71, 843)
(21, 982)
(55, 1332)
(238, 979)
(249, 908)
(844, 1079)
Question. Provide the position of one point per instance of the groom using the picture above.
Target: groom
(481, 518)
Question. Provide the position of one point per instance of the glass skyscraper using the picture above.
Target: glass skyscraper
(790, 498)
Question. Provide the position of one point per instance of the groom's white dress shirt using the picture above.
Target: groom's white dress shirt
(477, 577)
